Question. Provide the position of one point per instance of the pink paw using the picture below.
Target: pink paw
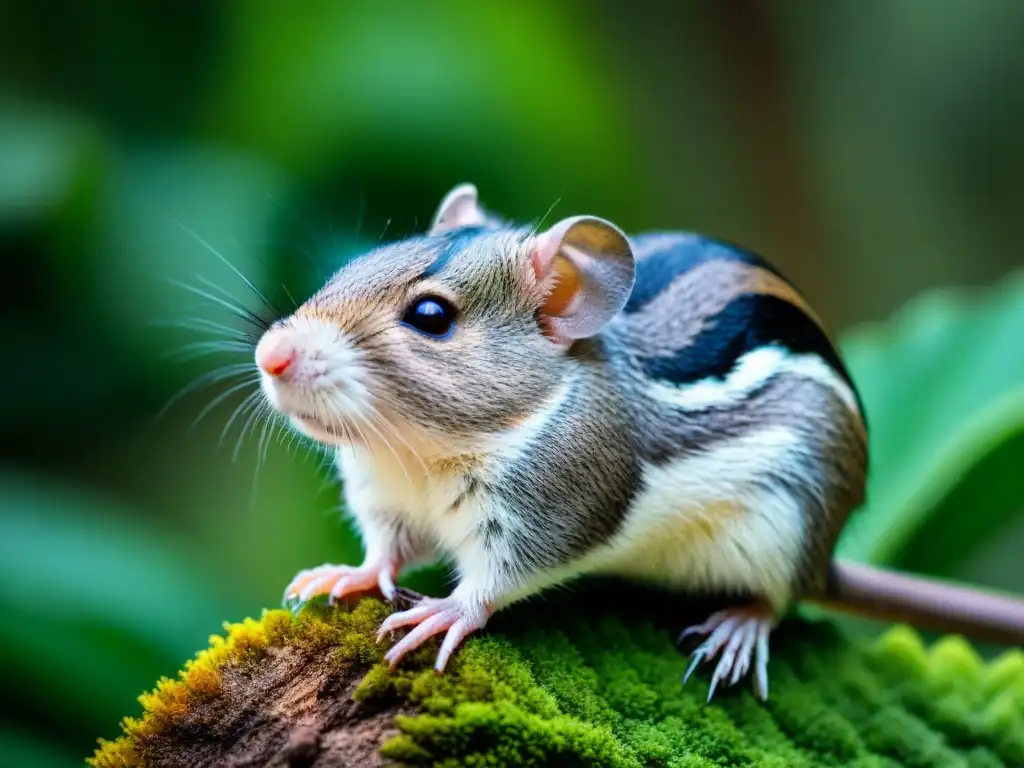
(741, 635)
(338, 581)
(431, 617)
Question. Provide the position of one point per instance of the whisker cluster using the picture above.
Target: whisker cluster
(225, 338)
(239, 335)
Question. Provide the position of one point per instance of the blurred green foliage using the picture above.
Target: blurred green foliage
(943, 382)
(871, 150)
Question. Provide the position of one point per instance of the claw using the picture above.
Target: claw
(709, 625)
(738, 637)
(414, 615)
(313, 588)
(338, 590)
(431, 617)
(743, 657)
(386, 583)
(290, 592)
(761, 669)
(456, 634)
(337, 581)
(697, 658)
(426, 629)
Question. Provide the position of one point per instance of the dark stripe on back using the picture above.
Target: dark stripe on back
(751, 321)
(656, 271)
(451, 244)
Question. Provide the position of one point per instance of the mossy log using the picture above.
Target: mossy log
(582, 685)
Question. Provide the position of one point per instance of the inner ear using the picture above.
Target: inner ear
(563, 287)
(585, 270)
(460, 208)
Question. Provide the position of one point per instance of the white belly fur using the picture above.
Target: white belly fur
(427, 507)
(423, 503)
(703, 524)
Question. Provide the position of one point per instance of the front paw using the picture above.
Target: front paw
(339, 581)
(431, 616)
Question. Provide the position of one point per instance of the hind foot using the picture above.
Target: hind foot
(739, 637)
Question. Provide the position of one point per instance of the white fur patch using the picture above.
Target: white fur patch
(509, 446)
(750, 372)
(657, 243)
(327, 382)
(426, 504)
(710, 522)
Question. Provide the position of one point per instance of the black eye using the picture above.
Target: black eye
(432, 316)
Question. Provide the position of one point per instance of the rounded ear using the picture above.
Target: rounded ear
(585, 267)
(460, 208)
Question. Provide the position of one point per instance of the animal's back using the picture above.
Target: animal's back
(749, 423)
(699, 305)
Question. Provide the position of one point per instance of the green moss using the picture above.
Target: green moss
(589, 689)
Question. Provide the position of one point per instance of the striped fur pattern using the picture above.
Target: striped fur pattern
(753, 441)
(709, 437)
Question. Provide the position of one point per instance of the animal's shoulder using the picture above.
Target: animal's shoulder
(661, 257)
(701, 304)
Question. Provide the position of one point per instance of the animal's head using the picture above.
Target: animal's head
(443, 340)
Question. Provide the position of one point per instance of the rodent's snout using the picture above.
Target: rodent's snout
(275, 353)
(310, 373)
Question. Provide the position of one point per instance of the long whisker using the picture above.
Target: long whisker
(203, 325)
(240, 312)
(307, 233)
(253, 418)
(251, 400)
(295, 304)
(339, 419)
(229, 265)
(220, 399)
(393, 406)
(382, 420)
(535, 228)
(199, 349)
(331, 452)
(230, 297)
(275, 425)
(327, 460)
(206, 379)
(260, 454)
(388, 445)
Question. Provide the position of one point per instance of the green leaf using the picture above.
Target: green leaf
(94, 601)
(943, 385)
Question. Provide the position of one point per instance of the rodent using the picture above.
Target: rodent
(538, 405)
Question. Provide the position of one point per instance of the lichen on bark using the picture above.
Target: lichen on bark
(586, 684)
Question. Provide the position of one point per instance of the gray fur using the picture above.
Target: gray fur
(572, 492)
(472, 384)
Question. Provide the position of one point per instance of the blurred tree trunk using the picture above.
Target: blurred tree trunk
(756, 75)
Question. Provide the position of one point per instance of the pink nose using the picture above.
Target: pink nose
(275, 353)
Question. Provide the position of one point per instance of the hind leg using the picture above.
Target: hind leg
(738, 637)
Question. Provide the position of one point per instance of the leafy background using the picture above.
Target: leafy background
(874, 151)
